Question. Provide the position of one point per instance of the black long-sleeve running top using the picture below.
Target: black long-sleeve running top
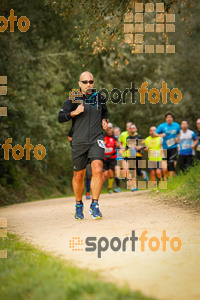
(87, 126)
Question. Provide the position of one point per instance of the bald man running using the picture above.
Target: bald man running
(88, 119)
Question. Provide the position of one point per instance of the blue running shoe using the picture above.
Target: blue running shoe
(134, 190)
(117, 190)
(145, 175)
(94, 211)
(88, 197)
(79, 212)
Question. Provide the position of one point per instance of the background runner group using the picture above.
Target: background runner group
(170, 147)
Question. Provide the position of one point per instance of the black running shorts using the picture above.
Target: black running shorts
(171, 158)
(82, 154)
(109, 164)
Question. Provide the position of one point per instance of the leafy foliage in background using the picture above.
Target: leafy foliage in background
(43, 65)
(102, 19)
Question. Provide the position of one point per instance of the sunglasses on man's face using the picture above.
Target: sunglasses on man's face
(87, 81)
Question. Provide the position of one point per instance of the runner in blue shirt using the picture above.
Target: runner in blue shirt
(197, 131)
(169, 131)
(187, 143)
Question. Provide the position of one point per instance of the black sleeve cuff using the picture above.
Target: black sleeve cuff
(68, 116)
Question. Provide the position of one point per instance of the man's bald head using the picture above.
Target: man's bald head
(109, 129)
(84, 74)
(84, 82)
(128, 124)
(152, 130)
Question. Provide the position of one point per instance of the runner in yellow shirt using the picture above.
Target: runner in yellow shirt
(154, 147)
(136, 145)
(125, 153)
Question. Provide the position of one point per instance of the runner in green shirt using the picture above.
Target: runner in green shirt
(125, 153)
(154, 147)
(123, 139)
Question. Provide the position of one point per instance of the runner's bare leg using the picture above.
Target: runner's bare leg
(78, 184)
(171, 173)
(164, 169)
(97, 180)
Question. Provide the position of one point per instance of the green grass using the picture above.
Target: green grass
(29, 274)
(185, 185)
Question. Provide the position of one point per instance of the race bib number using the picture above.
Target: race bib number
(108, 150)
(154, 153)
(170, 142)
(173, 131)
(101, 143)
(133, 152)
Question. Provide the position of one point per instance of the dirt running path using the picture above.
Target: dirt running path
(165, 275)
